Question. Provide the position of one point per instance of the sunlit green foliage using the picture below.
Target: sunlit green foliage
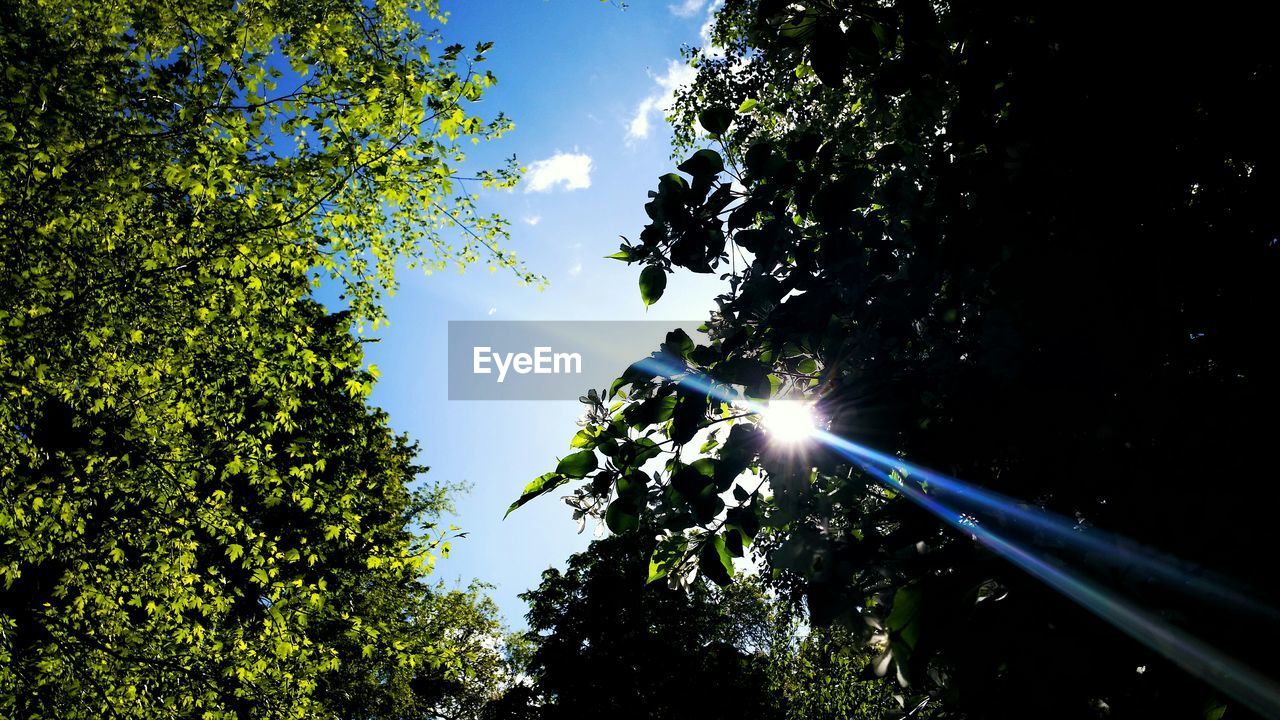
(199, 517)
(827, 674)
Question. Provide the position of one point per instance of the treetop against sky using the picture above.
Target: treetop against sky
(575, 90)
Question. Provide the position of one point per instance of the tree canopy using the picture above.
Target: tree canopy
(602, 642)
(1025, 247)
(199, 515)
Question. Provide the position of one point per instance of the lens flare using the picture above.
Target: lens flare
(1000, 519)
(789, 421)
(1236, 679)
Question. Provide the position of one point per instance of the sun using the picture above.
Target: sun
(790, 421)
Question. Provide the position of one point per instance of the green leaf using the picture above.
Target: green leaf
(688, 418)
(626, 253)
(647, 450)
(653, 282)
(621, 517)
(633, 485)
(584, 438)
(747, 106)
(657, 570)
(539, 486)
(679, 343)
(903, 619)
(711, 443)
(704, 163)
(668, 553)
(715, 562)
(650, 412)
(716, 120)
(578, 464)
(1214, 711)
(742, 522)
(637, 372)
(763, 160)
(751, 374)
(704, 466)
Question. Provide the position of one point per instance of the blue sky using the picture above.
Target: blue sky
(582, 80)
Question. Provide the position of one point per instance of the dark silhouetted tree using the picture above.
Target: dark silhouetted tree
(1027, 247)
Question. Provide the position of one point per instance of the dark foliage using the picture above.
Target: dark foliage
(608, 645)
(1030, 248)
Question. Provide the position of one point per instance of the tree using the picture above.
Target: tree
(461, 627)
(200, 516)
(1021, 247)
(826, 673)
(605, 644)
(602, 641)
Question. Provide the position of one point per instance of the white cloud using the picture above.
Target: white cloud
(532, 220)
(707, 27)
(688, 8)
(576, 270)
(678, 75)
(493, 310)
(571, 171)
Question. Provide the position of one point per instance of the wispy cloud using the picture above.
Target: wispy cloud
(708, 25)
(492, 310)
(571, 171)
(532, 220)
(576, 270)
(678, 75)
(688, 8)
